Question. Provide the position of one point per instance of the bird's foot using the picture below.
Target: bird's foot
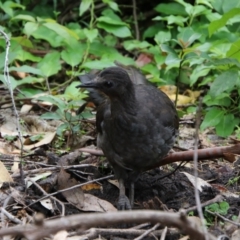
(123, 203)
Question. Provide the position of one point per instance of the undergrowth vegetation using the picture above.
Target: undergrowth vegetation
(194, 45)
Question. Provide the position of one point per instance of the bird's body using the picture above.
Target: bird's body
(136, 122)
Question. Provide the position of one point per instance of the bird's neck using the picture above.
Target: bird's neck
(126, 103)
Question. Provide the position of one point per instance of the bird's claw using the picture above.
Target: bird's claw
(124, 203)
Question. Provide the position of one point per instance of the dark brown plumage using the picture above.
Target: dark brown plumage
(136, 123)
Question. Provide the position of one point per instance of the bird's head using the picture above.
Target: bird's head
(113, 81)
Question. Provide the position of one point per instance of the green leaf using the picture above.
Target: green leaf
(234, 51)
(71, 56)
(71, 92)
(171, 9)
(50, 64)
(135, 44)
(30, 28)
(212, 118)
(162, 37)
(47, 34)
(198, 72)
(51, 115)
(13, 82)
(30, 80)
(187, 36)
(215, 25)
(23, 41)
(64, 32)
(91, 34)
(84, 6)
(224, 82)
(119, 31)
(62, 128)
(223, 61)
(8, 7)
(109, 20)
(24, 17)
(226, 125)
(26, 69)
(98, 64)
(112, 5)
(172, 58)
(55, 100)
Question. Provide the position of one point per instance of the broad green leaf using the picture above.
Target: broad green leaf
(112, 5)
(26, 69)
(109, 20)
(226, 125)
(172, 58)
(8, 7)
(52, 116)
(84, 6)
(64, 32)
(30, 28)
(71, 56)
(50, 64)
(98, 64)
(187, 36)
(23, 55)
(215, 25)
(222, 99)
(162, 37)
(224, 61)
(171, 9)
(25, 18)
(224, 82)
(198, 72)
(23, 41)
(13, 82)
(234, 51)
(47, 34)
(135, 44)
(204, 2)
(62, 128)
(55, 100)
(187, 7)
(11, 57)
(30, 80)
(212, 118)
(91, 34)
(119, 31)
(71, 92)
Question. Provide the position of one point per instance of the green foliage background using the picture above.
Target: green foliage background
(194, 43)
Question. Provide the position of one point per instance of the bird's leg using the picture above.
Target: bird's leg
(131, 194)
(123, 201)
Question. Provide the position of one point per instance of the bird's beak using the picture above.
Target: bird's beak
(88, 85)
(87, 82)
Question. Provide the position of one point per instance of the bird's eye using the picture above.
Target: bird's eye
(108, 84)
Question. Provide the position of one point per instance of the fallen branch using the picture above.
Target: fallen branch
(86, 221)
(203, 154)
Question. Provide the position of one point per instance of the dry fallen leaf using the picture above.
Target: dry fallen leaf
(4, 174)
(74, 196)
(200, 182)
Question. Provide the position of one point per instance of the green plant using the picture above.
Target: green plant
(192, 45)
(219, 208)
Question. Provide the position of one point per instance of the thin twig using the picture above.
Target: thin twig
(46, 194)
(148, 232)
(195, 160)
(10, 216)
(218, 198)
(163, 236)
(70, 188)
(135, 19)
(223, 218)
